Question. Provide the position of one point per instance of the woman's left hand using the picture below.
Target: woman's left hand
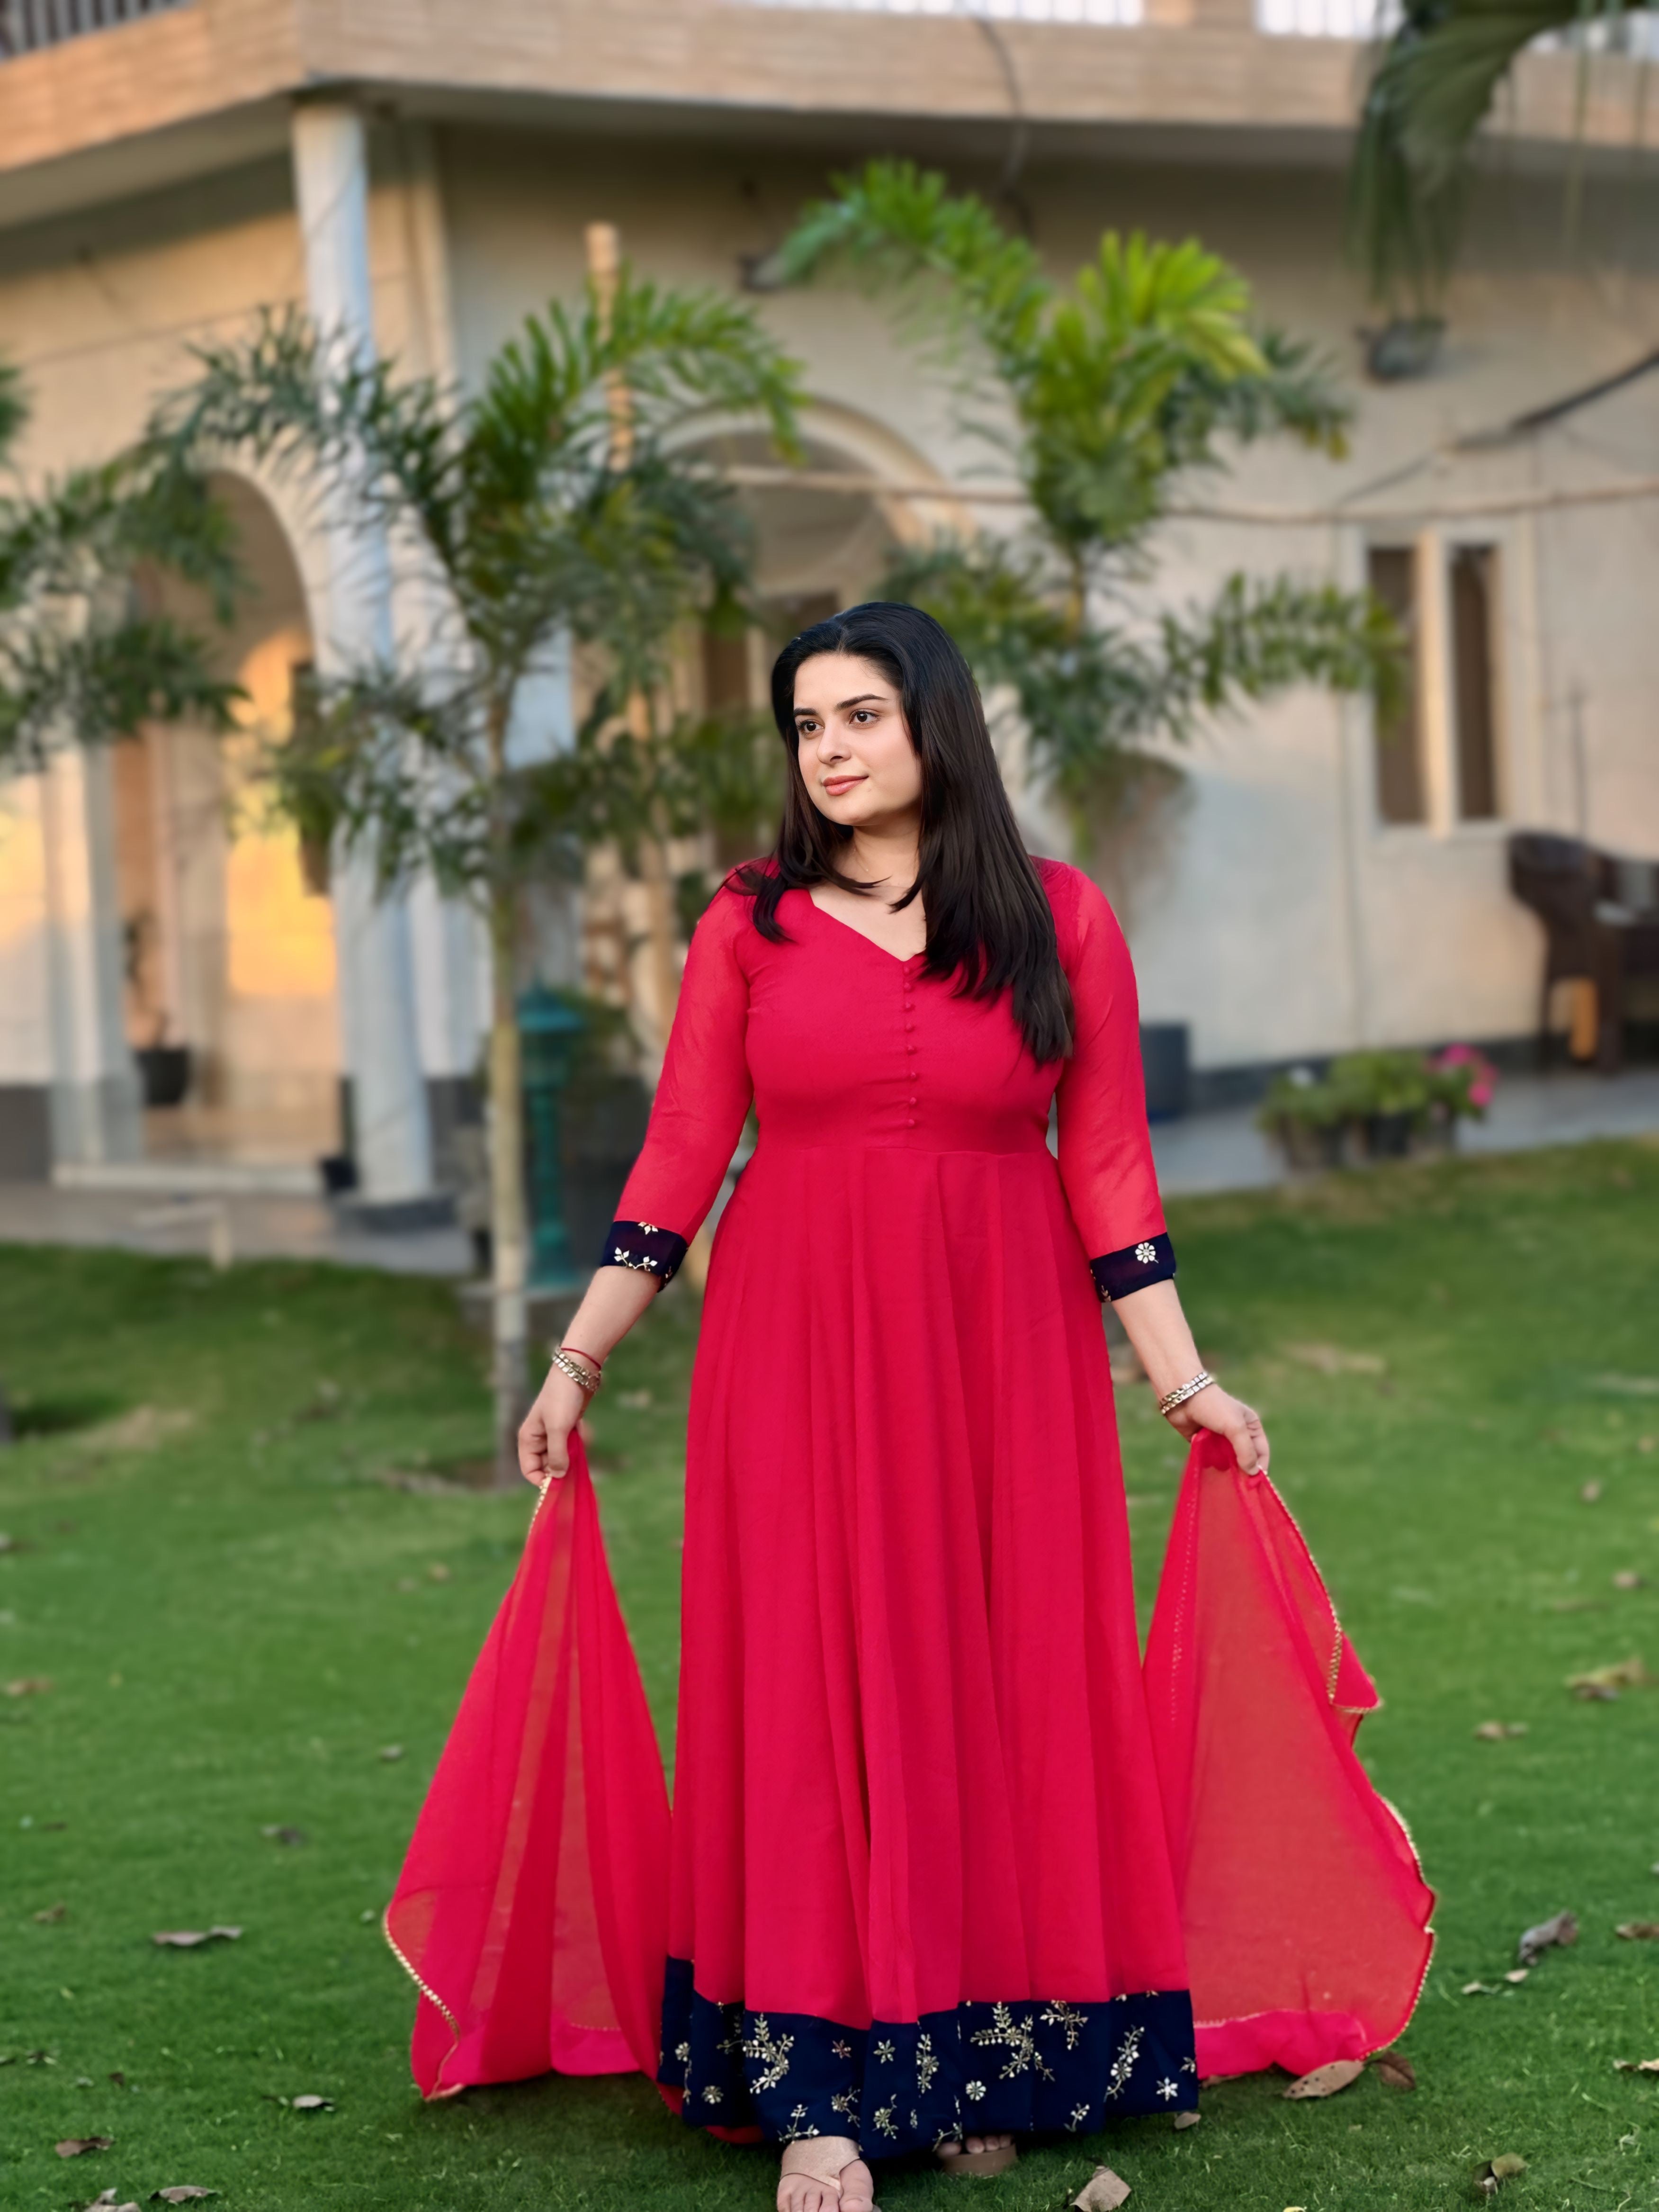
(1230, 1417)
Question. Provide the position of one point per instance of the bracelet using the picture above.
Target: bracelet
(587, 1384)
(576, 1351)
(1171, 1399)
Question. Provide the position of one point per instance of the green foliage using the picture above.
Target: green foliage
(1105, 397)
(1432, 88)
(1453, 1085)
(290, 1627)
(79, 656)
(536, 534)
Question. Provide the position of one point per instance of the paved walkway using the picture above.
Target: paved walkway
(1205, 1152)
(1227, 1151)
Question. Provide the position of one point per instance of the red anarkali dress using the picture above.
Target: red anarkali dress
(920, 1877)
(941, 1854)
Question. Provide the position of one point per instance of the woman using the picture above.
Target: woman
(920, 1891)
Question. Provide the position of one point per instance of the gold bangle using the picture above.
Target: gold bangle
(1171, 1399)
(585, 1380)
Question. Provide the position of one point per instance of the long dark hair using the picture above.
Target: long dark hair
(989, 924)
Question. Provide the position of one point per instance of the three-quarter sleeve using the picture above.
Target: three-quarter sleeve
(702, 1102)
(1105, 1153)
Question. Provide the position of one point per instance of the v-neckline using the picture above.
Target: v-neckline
(900, 959)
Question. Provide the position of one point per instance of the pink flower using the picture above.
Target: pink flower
(1480, 1094)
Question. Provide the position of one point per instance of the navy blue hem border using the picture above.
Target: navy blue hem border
(641, 1244)
(1031, 2065)
(1151, 1261)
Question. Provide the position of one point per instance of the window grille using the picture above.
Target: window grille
(27, 26)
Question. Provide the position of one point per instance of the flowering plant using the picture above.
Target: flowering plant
(1464, 1081)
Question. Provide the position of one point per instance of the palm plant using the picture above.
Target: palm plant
(81, 659)
(536, 526)
(1436, 80)
(1105, 396)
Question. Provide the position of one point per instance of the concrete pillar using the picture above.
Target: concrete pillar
(96, 1106)
(381, 1050)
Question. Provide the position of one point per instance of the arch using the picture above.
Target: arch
(231, 950)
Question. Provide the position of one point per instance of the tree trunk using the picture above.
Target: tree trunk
(509, 1230)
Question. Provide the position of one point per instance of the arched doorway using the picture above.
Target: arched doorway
(231, 997)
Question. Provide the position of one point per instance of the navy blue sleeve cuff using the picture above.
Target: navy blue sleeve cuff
(1117, 1273)
(641, 1244)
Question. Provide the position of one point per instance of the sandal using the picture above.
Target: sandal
(979, 2164)
(801, 2150)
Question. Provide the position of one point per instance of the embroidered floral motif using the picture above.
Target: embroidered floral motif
(795, 2132)
(1055, 2014)
(975, 2090)
(1015, 2037)
(1169, 2088)
(647, 1265)
(884, 2052)
(885, 2118)
(683, 2052)
(1189, 2066)
(846, 2102)
(711, 2095)
(927, 2063)
(772, 2051)
(1124, 2064)
(1145, 1254)
(1079, 2113)
(841, 2048)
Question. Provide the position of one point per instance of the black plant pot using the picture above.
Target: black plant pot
(163, 1074)
(1165, 1049)
(1389, 1136)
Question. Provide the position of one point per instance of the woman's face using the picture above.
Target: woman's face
(853, 744)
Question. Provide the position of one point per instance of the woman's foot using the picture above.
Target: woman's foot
(981, 2155)
(825, 2173)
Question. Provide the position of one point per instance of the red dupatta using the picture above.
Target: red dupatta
(531, 1911)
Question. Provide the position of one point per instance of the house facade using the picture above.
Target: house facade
(424, 176)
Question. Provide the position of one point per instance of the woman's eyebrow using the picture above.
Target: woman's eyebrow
(841, 705)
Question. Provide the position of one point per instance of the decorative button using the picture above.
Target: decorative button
(911, 1123)
(1144, 1252)
(910, 1102)
(910, 1048)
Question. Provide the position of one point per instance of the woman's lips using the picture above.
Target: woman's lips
(834, 785)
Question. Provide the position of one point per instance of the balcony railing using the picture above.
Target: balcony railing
(26, 25)
(1103, 12)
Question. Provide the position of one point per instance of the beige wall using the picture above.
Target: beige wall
(1285, 919)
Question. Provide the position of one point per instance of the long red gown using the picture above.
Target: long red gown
(940, 1857)
(919, 1875)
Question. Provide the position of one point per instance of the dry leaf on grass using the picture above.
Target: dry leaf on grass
(39, 2057)
(1636, 2065)
(1395, 2069)
(1639, 1931)
(282, 1835)
(1103, 2191)
(1499, 1731)
(1628, 1578)
(78, 2146)
(1561, 1929)
(1590, 1492)
(51, 1915)
(1606, 1682)
(1480, 1990)
(1187, 2120)
(13, 1543)
(181, 2192)
(29, 1685)
(1326, 2081)
(389, 1752)
(1490, 2178)
(105, 2202)
(186, 1939)
(1518, 1973)
(305, 2104)
(438, 1572)
(1331, 1359)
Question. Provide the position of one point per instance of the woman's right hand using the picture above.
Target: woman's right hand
(545, 1435)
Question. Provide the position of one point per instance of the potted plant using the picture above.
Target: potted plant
(1304, 1115)
(1461, 1083)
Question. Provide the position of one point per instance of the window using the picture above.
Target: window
(1401, 792)
(1474, 735)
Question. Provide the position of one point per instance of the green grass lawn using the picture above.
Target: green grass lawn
(238, 1616)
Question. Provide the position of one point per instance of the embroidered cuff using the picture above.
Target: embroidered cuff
(1151, 1261)
(641, 1244)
